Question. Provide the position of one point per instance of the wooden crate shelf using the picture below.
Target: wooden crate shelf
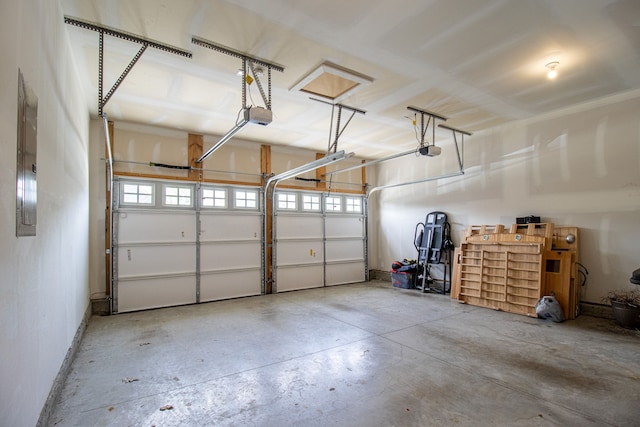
(511, 269)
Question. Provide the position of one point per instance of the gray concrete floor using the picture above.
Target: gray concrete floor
(354, 355)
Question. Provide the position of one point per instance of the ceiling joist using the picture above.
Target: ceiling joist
(145, 42)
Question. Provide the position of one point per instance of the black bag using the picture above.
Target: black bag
(406, 266)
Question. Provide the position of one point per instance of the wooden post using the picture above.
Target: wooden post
(195, 151)
(265, 162)
(322, 184)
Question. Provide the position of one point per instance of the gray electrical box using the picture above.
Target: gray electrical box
(26, 182)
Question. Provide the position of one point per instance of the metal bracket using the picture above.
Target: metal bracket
(459, 149)
(102, 101)
(246, 59)
(256, 76)
(333, 146)
(102, 30)
(424, 127)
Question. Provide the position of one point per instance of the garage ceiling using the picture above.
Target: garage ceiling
(481, 63)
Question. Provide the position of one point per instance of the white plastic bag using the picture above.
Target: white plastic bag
(549, 308)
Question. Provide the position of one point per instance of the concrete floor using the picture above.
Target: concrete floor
(355, 355)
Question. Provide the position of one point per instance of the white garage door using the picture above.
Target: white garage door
(181, 243)
(344, 248)
(230, 254)
(156, 259)
(319, 240)
(299, 251)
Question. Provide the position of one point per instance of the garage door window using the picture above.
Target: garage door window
(333, 204)
(310, 202)
(246, 199)
(214, 198)
(178, 196)
(137, 194)
(287, 201)
(353, 204)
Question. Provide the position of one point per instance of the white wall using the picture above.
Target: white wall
(43, 279)
(577, 167)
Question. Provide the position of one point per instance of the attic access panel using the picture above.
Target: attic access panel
(329, 86)
(331, 81)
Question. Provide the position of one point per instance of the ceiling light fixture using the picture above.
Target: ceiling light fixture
(552, 73)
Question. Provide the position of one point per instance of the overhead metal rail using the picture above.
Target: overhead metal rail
(454, 130)
(145, 42)
(333, 146)
(459, 150)
(402, 184)
(226, 137)
(235, 53)
(372, 162)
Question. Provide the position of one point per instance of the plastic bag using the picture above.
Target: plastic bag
(548, 307)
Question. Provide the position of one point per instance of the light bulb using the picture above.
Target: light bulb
(552, 73)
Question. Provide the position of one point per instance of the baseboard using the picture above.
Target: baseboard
(58, 383)
(379, 275)
(596, 310)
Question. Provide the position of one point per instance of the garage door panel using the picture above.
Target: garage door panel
(155, 260)
(301, 277)
(155, 292)
(299, 252)
(230, 255)
(344, 226)
(156, 226)
(343, 273)
(299, 226)
(337, 250)
(230, 284)
(230, 227)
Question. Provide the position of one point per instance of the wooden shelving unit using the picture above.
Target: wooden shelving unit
(511, 271)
